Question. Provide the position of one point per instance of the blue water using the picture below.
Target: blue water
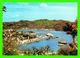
(52, 43)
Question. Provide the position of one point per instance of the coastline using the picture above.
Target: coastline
(27, 40)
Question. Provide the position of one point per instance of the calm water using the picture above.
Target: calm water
(53, 43)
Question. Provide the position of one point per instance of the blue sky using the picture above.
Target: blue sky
(33, 11)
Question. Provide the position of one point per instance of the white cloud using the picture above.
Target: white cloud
(43, 5)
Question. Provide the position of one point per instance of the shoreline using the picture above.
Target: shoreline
(25, 40)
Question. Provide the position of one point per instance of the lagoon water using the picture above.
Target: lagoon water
(52, 43)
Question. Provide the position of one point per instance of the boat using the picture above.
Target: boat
(62, 42)
(50, 35)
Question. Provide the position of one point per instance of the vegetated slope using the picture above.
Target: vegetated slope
(38, 24)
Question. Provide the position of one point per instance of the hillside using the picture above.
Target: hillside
(37, 24)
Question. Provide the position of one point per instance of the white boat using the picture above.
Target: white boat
(49, 34)
(62, 42)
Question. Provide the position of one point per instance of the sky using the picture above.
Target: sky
(34, 11)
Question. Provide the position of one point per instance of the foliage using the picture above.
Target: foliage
(67, 51)
(4, 8)
(37, 51)
(70, 30)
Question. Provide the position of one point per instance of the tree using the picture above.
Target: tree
(70, 29)
(4, 8)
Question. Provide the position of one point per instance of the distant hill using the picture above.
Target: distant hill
(37, 24)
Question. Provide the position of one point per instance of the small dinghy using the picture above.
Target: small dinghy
(62, 43)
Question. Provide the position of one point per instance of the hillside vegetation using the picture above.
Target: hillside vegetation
(36, 24)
